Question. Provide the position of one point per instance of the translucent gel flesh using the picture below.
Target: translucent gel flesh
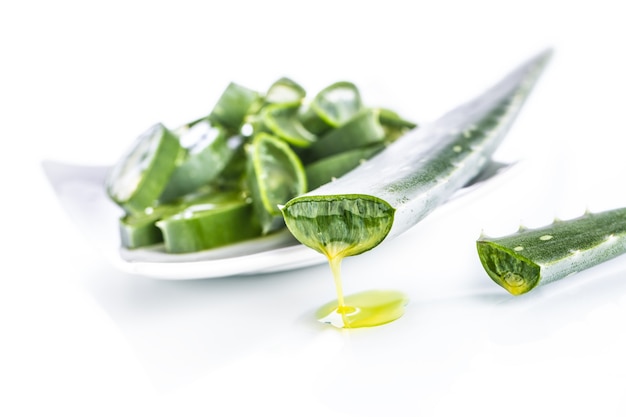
(364, 309)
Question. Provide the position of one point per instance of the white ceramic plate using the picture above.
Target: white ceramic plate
(80, 191)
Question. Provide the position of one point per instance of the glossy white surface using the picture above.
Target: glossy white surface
(80, 337)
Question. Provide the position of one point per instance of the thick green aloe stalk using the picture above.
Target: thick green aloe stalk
(394, 190)
(531, 257)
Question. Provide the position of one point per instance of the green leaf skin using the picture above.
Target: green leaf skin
(332, 107)
(203, 163)
(209, 225)
(274, 175)
(140, 176)
(421, 170)
(233, 105)
(531, 257)
(140, 230)
(282, 121)
(392, 119)
(332, 167)
(361, 130)
(394, 125)
(285, 91)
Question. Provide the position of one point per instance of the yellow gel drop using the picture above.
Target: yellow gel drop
(364, 309)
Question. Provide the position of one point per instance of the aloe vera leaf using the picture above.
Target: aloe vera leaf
(204, 162)
(332, 167)
(285, 91)
(233, 175)
(394, 125)
(224, 220)
(233, 105)
(139, 230)
(137, 180)
(532, 257)
(332, 107)
(274, 175)
(361, 130)
(417, 172)
(282, 121)
(391, 118)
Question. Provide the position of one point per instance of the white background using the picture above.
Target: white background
(79, 80)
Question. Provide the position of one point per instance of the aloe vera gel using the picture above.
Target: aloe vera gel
(398, 187)
(344, 226)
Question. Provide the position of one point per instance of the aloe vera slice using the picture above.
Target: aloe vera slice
(332, 107)
(282, 121)
(233, 105)
(391, 118)
(394, 125)
(204, 162)
(285, 91)
(361, 130)
(340, 225)
(532, 257)
(416, 173)
(140, 230)
(275, 175)
(137, 180)
(226, 219)
(332, 167)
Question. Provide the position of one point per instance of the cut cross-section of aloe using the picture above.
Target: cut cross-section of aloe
(139, 230)
(531, 257)
(282, 121)
(332, 107)
(363, 129)
(206, 159)
(340, 226)
(415, 174)
(275, 175)
(285, 91)
(141, 175)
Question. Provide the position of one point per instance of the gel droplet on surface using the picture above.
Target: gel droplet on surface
(364, 309)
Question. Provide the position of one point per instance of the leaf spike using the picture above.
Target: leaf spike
(522, 228)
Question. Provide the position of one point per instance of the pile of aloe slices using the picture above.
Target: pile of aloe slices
(221, 179)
